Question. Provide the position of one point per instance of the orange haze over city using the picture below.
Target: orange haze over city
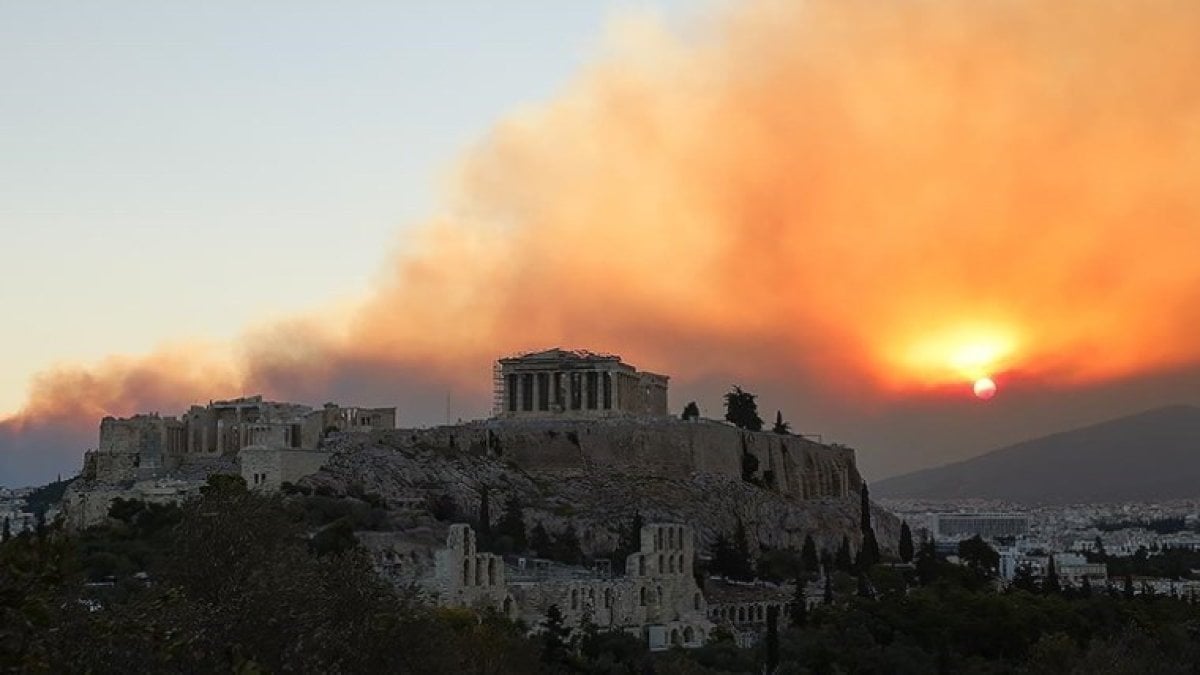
(890, 200)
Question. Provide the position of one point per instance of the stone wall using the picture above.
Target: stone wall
(664, 448)
(658, 599)
(85, 505)
(267, 469)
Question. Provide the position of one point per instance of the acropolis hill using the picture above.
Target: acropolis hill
(581, 438)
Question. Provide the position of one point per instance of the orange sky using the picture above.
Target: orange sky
(891, 199)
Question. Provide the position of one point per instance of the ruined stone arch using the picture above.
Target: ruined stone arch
(689, 635)
(675, 637)
(642, 596)
(466, 573)
(608, 598)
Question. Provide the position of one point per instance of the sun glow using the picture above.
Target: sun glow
(971, 353)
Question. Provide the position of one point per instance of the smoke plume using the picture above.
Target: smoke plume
(880, 201)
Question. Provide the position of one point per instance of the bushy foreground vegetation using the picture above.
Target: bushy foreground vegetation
(236, 582)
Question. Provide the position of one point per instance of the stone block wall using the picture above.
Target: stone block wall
(267, 469)
(658, 599)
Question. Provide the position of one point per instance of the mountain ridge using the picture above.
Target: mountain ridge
(1150, 455)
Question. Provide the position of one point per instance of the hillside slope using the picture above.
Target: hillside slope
(598, 500)
(1153, 455)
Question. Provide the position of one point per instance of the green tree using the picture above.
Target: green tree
(485, 514)
(224, 483)
(1051, 584)
(566, 548)
(742, 410)
(808, 556)
(556, 639)
(978, 556)
(630, 538)
(864, 508)
(6, 533)
(1023, 580)
(540, 542)
(844, 561)
(926, 563)
(781, 427)
(906, 542)
(743, 568)
(722, 555)
(799, 608)
(772, 646)
(691, 411)
(512, 523)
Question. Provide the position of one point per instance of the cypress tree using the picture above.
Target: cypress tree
(906, 542)
(808, 556)
(512, 523)
(799, 604)
(743, 569)
(485, 514)
(868, 553)
(844, 561)
(865, 508)
(828, 586)
(7, 533)
(722, 556)
(1051, 585)
(781, 427)
(540, 543)
(772, 638)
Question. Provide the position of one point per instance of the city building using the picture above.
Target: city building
(986, 525)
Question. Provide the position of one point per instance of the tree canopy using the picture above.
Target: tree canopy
(741, 409)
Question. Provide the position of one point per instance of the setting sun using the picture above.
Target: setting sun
(985, 388)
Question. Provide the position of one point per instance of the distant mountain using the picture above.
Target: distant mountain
(1153, 455)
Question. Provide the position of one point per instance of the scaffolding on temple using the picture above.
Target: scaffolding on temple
(497, 389)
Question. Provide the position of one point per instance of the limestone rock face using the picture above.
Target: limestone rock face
(595, 476)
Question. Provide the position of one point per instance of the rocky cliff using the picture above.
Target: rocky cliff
(596, 475)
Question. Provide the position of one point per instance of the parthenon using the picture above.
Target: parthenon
(565, 383)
